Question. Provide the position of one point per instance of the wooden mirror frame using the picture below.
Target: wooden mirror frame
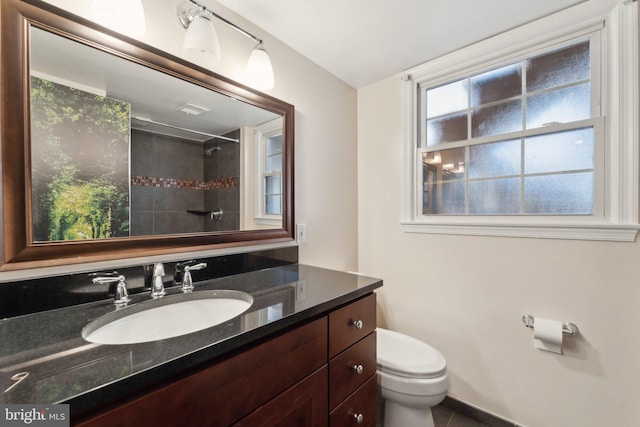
(18, 250)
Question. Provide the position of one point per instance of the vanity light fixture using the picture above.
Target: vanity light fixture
(123, 16)
(201, 35)
(259, 70)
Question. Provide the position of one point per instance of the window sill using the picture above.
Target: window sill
(598, 232)
(269, 221)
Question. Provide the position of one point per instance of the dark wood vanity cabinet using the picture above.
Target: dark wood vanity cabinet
(319, 374)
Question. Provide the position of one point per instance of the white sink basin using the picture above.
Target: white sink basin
(167, 317)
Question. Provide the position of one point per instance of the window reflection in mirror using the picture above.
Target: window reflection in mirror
(268, 196)
(119, 149)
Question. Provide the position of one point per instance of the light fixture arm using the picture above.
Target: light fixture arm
(185, 20)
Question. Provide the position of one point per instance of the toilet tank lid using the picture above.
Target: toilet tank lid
(403, 355)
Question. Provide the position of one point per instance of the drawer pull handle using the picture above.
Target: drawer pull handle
(358, 369)
(358, 324)
(359, 418)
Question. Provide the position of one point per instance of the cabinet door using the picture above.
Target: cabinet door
(303, 405)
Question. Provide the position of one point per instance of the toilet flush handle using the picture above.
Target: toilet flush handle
(358, 324)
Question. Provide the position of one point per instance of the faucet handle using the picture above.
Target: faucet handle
(177, 277)
(100, 277)
(117, 287)
(157, 285)
(198, 266)
(187, 281)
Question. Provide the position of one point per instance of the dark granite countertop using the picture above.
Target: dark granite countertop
(62, 367)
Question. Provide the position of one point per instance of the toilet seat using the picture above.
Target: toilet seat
(407, 357)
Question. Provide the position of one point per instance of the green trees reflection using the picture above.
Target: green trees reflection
(79, 163)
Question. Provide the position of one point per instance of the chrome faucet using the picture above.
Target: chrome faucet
(187, 281)
(157, 285)
(178, 276)
(117, 287)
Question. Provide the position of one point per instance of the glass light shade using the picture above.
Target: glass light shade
(259, 72)
(123, 16)
(201, 36)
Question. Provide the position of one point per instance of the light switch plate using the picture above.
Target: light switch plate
(301, 233)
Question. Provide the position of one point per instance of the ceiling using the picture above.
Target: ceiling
(364, 41)
(91, 70)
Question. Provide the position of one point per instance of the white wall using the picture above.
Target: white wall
(325, 134)
(466, 296)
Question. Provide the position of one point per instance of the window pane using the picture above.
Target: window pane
(447, 99)
(429, 200)
(559, 68)
(274, 163)
(495, 159)
(444, 186)
(272, 184)
(497, 119)
(447, 164)
(496, 85)
(446, 129)
(556, 152)
(274, 145)
(494, 197)
(559, 194)
(450, 198)
(564, 105)
(273, 205)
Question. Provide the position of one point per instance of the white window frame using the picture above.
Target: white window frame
(262, 133)
(615, 215)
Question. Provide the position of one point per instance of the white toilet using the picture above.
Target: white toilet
(412, 378)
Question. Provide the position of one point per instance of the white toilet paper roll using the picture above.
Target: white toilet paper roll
(547, 335)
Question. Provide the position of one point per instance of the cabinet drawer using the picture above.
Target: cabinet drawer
(344, 378)
(361, 403)
(228, 390)
(351, 323)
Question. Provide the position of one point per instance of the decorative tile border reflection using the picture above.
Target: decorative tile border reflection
(187, 184)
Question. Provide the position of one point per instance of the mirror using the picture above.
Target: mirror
(119, 149)
(114, 149)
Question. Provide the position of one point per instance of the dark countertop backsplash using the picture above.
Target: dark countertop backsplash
(31, 296)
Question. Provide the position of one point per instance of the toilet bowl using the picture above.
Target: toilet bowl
(412, 378)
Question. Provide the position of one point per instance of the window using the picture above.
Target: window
(268, 160)
(519, 138)
(522, 138)
(272, 177)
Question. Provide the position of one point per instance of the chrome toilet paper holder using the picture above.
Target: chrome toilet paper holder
(568, 328)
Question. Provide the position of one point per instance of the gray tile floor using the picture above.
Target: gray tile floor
(445, 417)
